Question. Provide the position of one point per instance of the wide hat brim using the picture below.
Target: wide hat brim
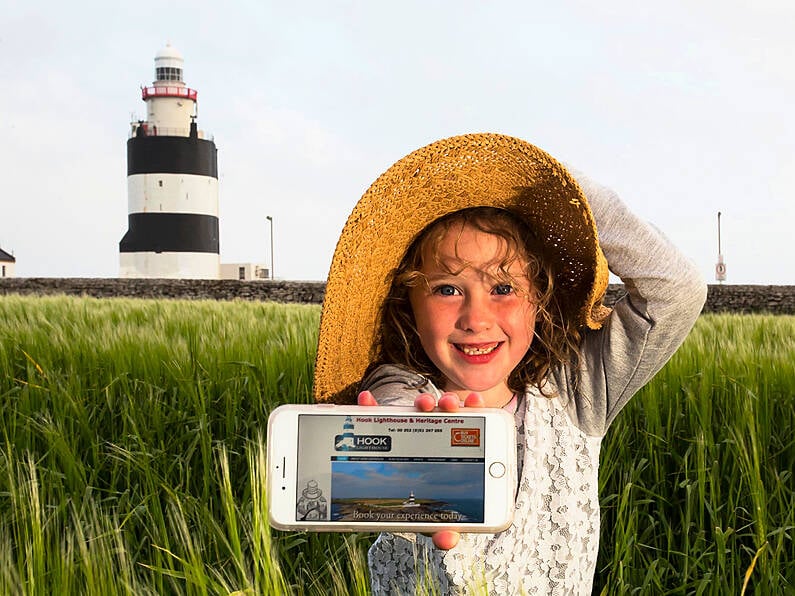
(446, 176)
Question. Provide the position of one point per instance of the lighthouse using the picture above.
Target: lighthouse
(172, 184)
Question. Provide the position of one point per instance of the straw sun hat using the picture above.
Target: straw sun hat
(451, 174)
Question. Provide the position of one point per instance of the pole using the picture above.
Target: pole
(720, 267)
(270, 219)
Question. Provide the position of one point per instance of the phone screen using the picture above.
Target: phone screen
(382, 469)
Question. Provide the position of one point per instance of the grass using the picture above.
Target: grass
(696, 477)
(132, 456)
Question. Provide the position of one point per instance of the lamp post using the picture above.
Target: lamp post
(270, 220)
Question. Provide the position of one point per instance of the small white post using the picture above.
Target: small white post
(720, 267)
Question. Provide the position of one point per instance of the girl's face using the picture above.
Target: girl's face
(474, 326)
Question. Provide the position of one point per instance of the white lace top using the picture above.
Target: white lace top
(552, 545)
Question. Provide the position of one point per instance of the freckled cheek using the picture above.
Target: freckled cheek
(525, 313)
(530, 325)
(433, 321)
(441, 322)
(433, 334)
(523, 323)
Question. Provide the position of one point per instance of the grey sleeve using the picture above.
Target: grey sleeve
(396, 386)
(665, 295)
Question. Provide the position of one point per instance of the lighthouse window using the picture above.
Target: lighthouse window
(168, 73)
(160, 183)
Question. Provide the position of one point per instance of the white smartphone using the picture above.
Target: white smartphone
(384, 468)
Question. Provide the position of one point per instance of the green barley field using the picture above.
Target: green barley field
(132, 457)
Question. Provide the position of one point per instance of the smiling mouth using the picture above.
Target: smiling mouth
(477, 349)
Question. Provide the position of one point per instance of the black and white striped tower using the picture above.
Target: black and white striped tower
(172, 184)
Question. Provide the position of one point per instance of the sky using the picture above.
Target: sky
(684, 108)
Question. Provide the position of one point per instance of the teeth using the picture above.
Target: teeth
(470, 351)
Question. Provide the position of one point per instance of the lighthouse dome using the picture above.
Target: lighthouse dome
(169, 54)
(168, 64)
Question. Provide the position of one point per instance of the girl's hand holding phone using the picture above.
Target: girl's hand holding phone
(425, 402)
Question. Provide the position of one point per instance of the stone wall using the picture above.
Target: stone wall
(721, 298)
(190, 289)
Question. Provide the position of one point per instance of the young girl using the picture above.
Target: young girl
(471, 273)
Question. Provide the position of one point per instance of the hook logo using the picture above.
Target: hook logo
(348, 441)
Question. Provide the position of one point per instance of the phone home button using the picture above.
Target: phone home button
(497, 469)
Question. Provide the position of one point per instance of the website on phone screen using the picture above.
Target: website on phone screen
(385, 469)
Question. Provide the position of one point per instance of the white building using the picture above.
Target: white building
(7, 264)
(244, 271)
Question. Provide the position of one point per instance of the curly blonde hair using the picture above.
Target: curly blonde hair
(556, 336)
